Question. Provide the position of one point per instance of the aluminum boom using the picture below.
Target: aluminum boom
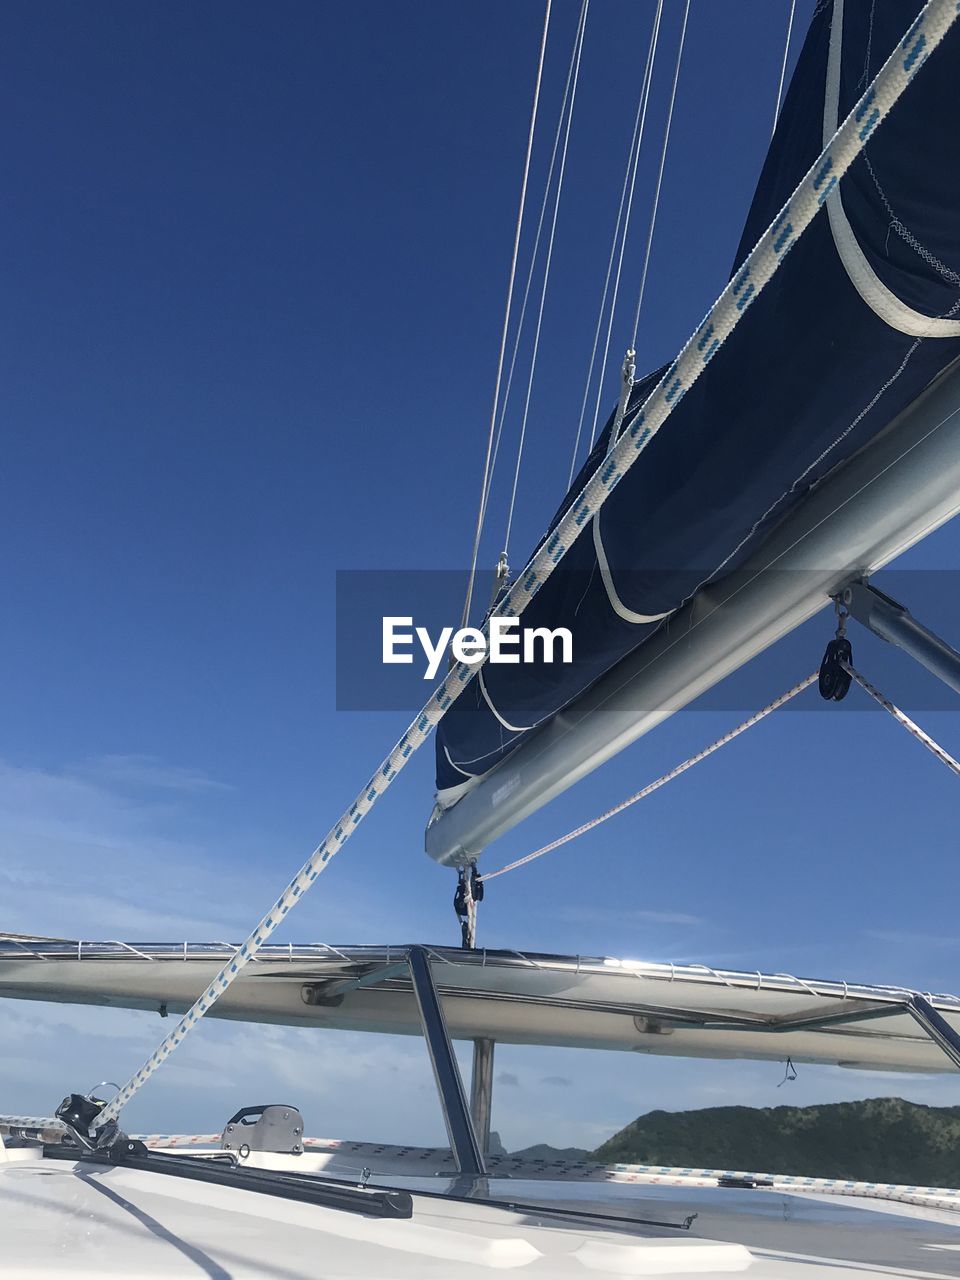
(898, 489)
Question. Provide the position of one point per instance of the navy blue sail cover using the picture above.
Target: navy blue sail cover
(862, 315)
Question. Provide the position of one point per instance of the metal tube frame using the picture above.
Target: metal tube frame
(468, 1128)
(893, 622)
(453, 1101)
(481, 1091)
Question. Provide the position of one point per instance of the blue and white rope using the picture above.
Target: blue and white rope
(902, 718)
(922, 38)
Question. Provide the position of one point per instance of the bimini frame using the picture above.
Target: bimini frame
(447, 993)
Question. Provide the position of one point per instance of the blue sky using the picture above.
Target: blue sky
(254, 269)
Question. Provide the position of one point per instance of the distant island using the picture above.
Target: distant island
(877, 1140)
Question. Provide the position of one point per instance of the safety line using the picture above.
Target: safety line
(546, 281)
(923, 37)
(902, 718)
(506, 318)
(659, 782)
(656, 194)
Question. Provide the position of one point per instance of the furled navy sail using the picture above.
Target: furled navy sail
(863, 314)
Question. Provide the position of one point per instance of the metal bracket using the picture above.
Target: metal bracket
(331, 993)
(892, 621)
(627, 375)
(276, 1128)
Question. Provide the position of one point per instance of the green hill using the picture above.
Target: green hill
(878, 1140)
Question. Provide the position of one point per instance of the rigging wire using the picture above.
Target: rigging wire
(546, 281)
(574, 64)
(626, 220)
(637, 127)
(658, 782)
(783, 65)
(656, 194)
(506, 317)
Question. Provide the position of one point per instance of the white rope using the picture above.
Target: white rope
(663, 161)
(626, 222)
(902, 718)
(644, 90)
(659, 782)
(506, 318)
(783, 65)
(574, 62)
(926, 33)
(546, 281)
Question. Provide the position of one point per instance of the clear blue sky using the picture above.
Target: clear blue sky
(255, 258)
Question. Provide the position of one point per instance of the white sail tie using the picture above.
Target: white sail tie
(926, 33)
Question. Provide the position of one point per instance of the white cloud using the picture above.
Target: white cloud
(82, 854)
(145, 772)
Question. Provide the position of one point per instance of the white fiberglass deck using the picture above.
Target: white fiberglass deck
(61, 1218)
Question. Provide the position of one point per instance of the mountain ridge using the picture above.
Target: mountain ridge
(876, 1140)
